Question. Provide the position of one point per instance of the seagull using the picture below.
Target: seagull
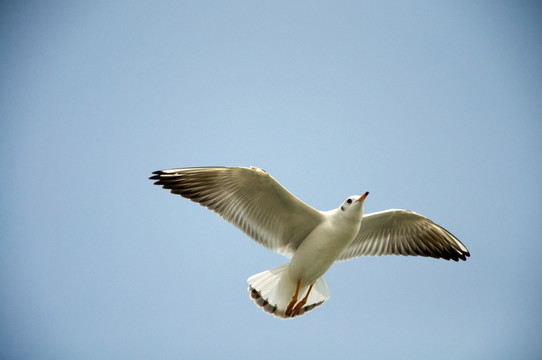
(263, 209)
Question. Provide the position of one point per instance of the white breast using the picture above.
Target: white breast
(321, 247)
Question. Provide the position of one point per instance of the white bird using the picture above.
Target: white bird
(256, 203)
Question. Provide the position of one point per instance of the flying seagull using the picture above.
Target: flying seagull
(256, 203)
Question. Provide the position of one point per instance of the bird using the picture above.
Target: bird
(313, 240)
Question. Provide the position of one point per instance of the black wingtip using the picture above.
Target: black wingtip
(461, 256)
(156, 176)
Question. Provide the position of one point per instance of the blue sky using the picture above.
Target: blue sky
(430, 106)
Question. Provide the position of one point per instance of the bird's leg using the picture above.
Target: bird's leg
(294, 299)
(302, 302)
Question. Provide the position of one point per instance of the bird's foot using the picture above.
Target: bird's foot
(302, 303)
(294, 299)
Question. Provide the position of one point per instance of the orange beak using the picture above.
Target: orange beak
(362, 197)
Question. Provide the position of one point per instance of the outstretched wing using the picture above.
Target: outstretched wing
(403, 232)
(249, 198)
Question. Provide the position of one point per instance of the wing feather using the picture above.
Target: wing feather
(250, 199)
(403, 232)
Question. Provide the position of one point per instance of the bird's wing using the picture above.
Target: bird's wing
(249, 198)
(403, 232)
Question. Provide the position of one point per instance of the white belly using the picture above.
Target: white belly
(319, 250)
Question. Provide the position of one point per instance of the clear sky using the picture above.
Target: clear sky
(431, 106)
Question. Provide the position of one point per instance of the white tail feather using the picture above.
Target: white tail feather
(272, 290)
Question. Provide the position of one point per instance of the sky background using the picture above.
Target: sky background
(431, 106)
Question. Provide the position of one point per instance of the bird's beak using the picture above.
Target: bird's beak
(362, 197)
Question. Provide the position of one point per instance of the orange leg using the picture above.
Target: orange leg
(294, 299)
(303, 301)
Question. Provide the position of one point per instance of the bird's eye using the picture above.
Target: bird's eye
(349, 201)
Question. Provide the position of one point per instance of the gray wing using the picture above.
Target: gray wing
(403, 232)
(250, 199)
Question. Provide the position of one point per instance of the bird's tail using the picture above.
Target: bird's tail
(272, 290)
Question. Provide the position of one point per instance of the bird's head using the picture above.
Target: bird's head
(353, 205)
